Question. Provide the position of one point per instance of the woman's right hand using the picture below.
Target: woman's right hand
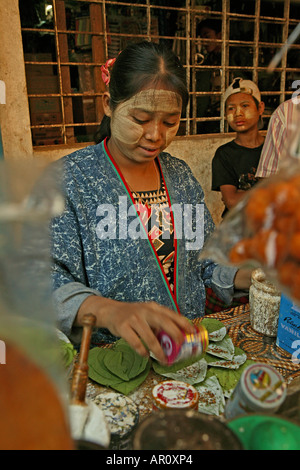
(138, 323)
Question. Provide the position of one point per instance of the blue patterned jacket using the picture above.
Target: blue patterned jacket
(121, 267)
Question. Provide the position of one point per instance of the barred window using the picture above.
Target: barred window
(65, 42)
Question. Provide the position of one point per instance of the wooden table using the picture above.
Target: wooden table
(258, 347)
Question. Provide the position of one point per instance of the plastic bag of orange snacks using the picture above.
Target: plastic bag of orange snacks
(263, 230)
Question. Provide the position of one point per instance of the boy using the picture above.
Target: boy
(234, 164)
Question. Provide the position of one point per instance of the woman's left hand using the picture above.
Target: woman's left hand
(242, 280)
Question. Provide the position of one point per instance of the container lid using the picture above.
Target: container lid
(266, 432)
(121, 413)
(263, 386)
(260, 281)
(175, 394)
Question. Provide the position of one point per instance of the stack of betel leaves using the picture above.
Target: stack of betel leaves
(67, 352)
(214, 374)
(119, 367)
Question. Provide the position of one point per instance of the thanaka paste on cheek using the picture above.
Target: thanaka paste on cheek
(250, 114)
(171, 133)
(125, 130)
(229, 117)
(153, 101)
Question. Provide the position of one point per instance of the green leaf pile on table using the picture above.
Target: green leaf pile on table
(214, 374)
(67, 351)
(119, 367)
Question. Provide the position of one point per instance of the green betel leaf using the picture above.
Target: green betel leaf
(223, 348)
(193, 373)
(68, 352)
(97, 369)
(211, 397)
(127, 387)
(235, 362)
(101, 379)
(132, 362)
(114, 363)
(162, 369)
(228, 378)
(216, 329)
(115, 368)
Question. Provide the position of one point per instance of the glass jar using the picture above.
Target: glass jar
(264, 301)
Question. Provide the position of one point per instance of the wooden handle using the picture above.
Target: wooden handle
(80, 374)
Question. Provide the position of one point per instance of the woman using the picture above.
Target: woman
(135, 272)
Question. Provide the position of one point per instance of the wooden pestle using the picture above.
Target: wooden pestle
(80, 374)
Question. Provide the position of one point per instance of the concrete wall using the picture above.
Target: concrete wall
(15, 120)
(14, 113)
(196, 151)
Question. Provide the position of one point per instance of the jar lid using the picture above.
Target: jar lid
(264, 386)
(259, 279)
(175, 394)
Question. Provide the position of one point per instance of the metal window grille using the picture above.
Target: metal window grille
(66, 41)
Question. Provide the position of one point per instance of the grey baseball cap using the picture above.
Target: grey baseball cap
(239, 85)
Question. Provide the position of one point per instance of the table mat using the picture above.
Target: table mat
(257, 346)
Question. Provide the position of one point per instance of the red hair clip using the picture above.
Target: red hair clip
(105, 72)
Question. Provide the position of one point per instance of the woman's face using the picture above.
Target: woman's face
(241, 112)
(146, 124)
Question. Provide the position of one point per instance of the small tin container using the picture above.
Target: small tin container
(122, 416)
(174, 394)
(194, 344)
(261, 388)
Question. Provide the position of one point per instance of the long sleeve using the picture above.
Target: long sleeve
(272, 148)
(222, 282)
(68, 272)
(283, 123)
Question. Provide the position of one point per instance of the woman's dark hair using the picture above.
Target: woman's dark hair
(137, 66)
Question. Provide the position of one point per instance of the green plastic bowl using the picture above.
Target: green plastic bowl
(266, 432)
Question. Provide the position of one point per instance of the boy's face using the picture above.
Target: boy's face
(242, 112)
